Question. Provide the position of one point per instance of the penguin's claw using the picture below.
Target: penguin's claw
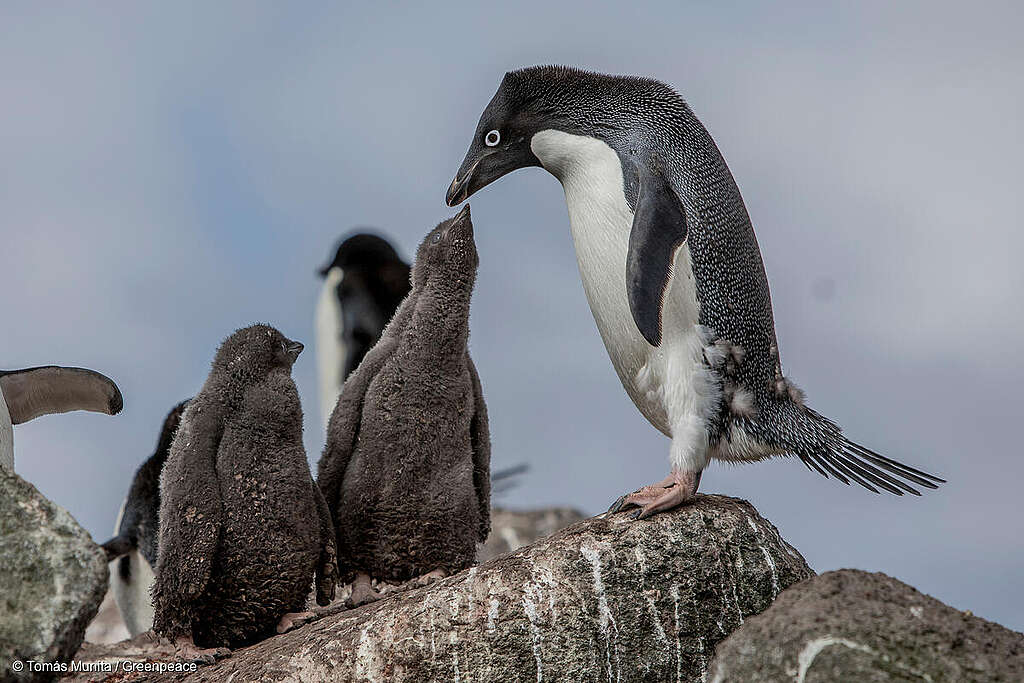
(617, 505)
(642, 496)
(670, 492)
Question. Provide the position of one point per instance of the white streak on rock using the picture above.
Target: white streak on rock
(492, 614)
(530, 607)
(606, 622)
(655, 614)
(813, 648)
(767, 556)
(679, 645)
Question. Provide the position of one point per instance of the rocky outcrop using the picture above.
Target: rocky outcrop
(52, 579)
(607, 599)
(513, 529)
(510, 530)
(851, 625)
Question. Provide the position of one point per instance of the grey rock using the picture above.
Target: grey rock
(607, 599)
(513, 529)
(851, 625)
(52, 580)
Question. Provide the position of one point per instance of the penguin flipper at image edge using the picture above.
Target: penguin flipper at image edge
(480, 432)
(659, 228)
(33, 392)
(189, 493)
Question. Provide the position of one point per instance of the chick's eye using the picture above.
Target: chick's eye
(436, 238)
(492, 138)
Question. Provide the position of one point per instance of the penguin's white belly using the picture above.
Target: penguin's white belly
(132, 595)
(669, 384)
(330, 347)
(6, 435)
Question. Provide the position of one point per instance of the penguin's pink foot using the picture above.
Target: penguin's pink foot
(672, 491)
(362, 591)
(294, 620)
(186, 650)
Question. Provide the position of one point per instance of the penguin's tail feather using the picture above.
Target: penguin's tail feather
(831, 453)
(118, 546)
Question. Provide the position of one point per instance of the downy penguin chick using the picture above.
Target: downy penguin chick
(363, 286)
(243, 527)
(406, 468)
(138, 533)
(672, 272)
(29, 393)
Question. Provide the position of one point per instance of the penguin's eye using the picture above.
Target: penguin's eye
(492, 138)
(436, 238)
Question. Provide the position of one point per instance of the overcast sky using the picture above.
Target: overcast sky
(170, 173)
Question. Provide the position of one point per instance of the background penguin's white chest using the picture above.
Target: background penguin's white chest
(330, 345)
(661, 381)
(6, 435)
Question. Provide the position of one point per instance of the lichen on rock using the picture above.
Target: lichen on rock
(52, 580)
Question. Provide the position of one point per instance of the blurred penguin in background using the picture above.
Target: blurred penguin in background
(363, 285)
(138, 532)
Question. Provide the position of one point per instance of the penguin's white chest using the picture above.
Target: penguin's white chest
(667, 383)
(330, 345)
(6, 435)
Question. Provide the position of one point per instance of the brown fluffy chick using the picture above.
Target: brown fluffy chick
(406, 468)
(243, 527)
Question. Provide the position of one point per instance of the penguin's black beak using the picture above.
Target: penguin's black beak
(294, 348)
(483, 165)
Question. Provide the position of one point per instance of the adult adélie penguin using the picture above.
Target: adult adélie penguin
(672, 271)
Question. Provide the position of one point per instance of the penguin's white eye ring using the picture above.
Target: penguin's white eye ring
(436, 238)
(492, 138)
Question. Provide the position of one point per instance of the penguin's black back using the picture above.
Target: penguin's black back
(139, 527)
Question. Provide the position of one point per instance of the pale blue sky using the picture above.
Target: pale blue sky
(172, 172)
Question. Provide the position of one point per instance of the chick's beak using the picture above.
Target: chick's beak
(294, 349)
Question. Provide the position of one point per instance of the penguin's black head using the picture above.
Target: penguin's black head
(257, 350)
(448, 252)
(362, 250)
(528, 101)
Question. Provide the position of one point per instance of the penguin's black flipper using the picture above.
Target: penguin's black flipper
(191, 518)
(327, 565)
(659, 227)
(480, 432)
(118, 546)
(52, 389)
